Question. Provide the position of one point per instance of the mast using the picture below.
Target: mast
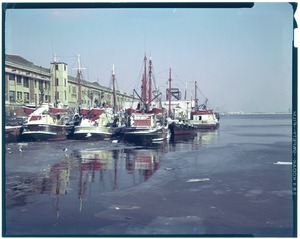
(78, 79)
(54, 60)
(196, 102)
(114, 90)
(150, 81)
(169, 93)
(144, 83)
(185, 92)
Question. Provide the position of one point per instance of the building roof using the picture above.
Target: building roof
(16, 59)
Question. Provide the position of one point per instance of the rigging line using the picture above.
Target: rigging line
(162, 71)
(138, 79)
(154, 79)
(66, 56)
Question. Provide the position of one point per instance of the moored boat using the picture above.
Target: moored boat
(145, 125)
(203, 118)
(181, 131)
(43, 125)
(96, 125)
(145, 128)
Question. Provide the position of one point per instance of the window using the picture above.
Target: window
(11, 77)
(65, 67)
(26, 97)
(57, 95)
(12, 96)
(26, 82)
(35, 83)
(41, 86)
(65, 95)
(65, 82)
(19, 95)
(19, 80)
(56, 67)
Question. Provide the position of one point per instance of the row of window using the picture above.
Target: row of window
(23, 97)
(37, 83)
(19, 80)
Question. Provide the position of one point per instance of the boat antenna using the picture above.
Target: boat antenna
(114, 89)
(169, 93)
(79, 79)
(150, 80)
(196, 100)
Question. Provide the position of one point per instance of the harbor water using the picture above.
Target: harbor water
(236, 180)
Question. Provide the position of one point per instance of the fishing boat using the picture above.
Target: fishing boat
(146, 125)
(177, 121)
(42, 125)
(145, 128)
(180, 130)
(203, 118)
(97, 125)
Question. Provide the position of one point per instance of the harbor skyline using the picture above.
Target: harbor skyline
(240, 58)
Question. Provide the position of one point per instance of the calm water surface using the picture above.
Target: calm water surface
(222, 182)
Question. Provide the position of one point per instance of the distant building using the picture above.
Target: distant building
(27, 83)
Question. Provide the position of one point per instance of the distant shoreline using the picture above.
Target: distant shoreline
(256, 113)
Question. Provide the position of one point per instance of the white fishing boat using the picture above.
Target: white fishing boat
(203, 118)
(43, 125)
(97, 125)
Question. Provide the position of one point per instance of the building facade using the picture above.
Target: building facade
(27, 83)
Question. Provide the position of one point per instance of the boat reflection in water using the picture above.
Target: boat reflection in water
(206, 138)
(77, 178)
(112, 170)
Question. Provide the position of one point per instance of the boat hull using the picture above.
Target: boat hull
(206, 126)
(92, 133)
(43, 132)
(145, 136)
(180, 131)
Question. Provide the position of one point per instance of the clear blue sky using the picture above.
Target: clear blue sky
(241, 58)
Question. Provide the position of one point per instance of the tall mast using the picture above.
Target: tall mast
(150, 81)
(185, 92)
(169, 93)
(78, 79)
(196, 102)
(144, 83)
(114, 89)
(54, 60)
